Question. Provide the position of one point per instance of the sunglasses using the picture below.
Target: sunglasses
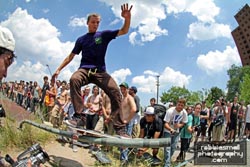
(11, 56)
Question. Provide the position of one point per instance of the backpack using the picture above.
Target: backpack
(160, 111)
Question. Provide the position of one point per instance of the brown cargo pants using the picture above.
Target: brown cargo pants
(103, 80)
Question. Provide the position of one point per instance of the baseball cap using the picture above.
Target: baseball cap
(150, 111)
(7, 40)
(133, 88)
(124, 84)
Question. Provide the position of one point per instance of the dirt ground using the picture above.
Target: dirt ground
(60, 154)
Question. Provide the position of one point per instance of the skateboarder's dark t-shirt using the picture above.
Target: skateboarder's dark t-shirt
(151, 127)
(93, 47)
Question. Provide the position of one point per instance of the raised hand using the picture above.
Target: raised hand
(126, 11)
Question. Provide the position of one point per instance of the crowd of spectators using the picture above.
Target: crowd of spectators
(222, 122)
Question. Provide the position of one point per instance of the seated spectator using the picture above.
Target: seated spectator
(150, 128)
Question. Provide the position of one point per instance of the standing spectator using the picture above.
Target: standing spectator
(7, 47)
(68, 109)
(94, 106)
(220, 122)
(27, 96)
(50, 101)
(233, 117)
(241, 118)
(58, 88)
(152, 102)
(128, 112)
(211, 119)
(175, 118)
(42, 101)
(150, 128)
(187, 131)
(57, 113)
(108, 126)
(136, 119)
(93, 46)
(35, 96)
(204, 116)
(20, 92)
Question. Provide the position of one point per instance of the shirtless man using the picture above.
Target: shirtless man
(57, 111)
(94, 107)
(127, 113)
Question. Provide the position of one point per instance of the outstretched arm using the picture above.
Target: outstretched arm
(65, 62)
(126, 14)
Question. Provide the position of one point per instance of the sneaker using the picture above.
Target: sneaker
(156, 161)
(71, 123)
(94, 150)
(124, 163)
(74, 123)
(75, 148)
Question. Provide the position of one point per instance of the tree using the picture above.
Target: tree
(244, 89)
(195, 97)
(236, 75)
(214, 94)
(173, 94)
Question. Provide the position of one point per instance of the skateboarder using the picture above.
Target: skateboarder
(93, 46)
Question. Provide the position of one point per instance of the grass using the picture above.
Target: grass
(114, 155)
(14, 138)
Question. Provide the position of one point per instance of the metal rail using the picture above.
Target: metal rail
(119, 142)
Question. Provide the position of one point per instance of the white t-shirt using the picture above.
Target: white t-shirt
(248, 114)
(172, 116)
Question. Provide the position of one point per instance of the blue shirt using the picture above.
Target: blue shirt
(93, 47)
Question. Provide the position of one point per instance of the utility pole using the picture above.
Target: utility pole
(157, 85)
(49, 69)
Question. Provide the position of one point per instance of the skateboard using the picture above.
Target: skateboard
(82, 144)
(153, 161)
(185, 162)
(101, 156)
(88, 132)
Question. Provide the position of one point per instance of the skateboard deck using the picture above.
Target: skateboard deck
(154, 161)
(185, 162)
(82, 144)
(84, 131)
(102, 157)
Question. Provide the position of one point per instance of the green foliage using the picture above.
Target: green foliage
(245, 87)
(173, 94)
(214, 94)
(236, 75)
(195, 97)
(11, 137)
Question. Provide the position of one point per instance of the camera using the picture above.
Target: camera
(36, 155)
(197, 128)
(219, 120)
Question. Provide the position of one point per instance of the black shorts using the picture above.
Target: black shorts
(248, 126)
(202, 130)
(232, 125)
